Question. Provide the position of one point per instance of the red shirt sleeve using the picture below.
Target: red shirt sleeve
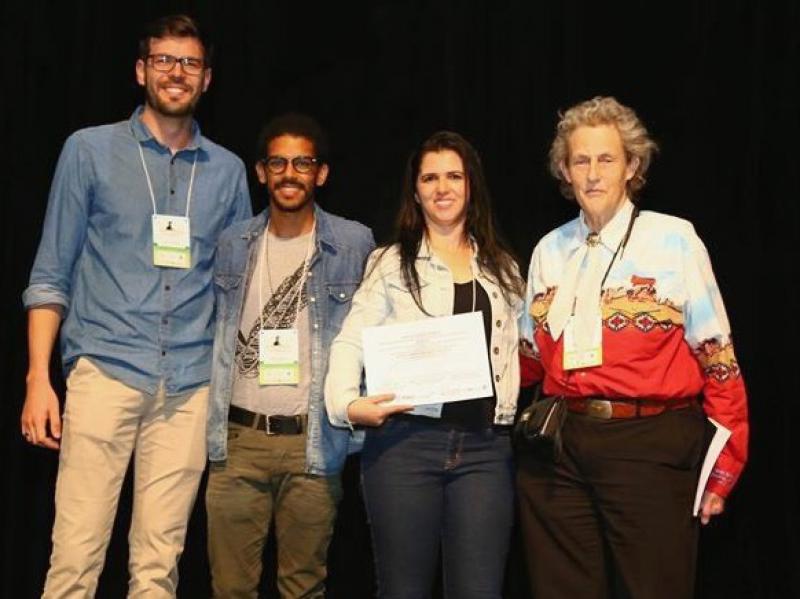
(530, 367)
(726, 402)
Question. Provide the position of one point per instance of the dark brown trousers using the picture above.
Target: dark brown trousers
(613, 518)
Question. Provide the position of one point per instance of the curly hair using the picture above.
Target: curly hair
(603, 110)
(294, 124)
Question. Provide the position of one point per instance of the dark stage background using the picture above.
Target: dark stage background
(716, 82)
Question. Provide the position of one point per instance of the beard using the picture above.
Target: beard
(167, 108)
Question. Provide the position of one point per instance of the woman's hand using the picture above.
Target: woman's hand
(372, 411)
(711, 505)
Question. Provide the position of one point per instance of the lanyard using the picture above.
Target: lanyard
(621, 247)
(472, 272)
(593, 239)
(150, 184)
(303, 276)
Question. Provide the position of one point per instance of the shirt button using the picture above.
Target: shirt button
(494, 294)
(312, 299)
(497, 378)
(167, 287)
(341, 295)
(496, 350)
(499, 323)
(164, 320)
(172, 192)
(163, 353)
(316, 326)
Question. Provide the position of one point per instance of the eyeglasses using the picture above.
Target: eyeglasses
(164, 63)
(277, 164)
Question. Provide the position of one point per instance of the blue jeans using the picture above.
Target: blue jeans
(428, 487)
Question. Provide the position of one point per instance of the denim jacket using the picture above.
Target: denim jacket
(335, 272)
(383, 299)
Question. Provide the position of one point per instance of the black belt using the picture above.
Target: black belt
(272, 425)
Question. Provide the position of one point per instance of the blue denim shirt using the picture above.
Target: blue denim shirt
(140, 323)
(336, 268)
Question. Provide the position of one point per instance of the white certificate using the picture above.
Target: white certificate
(721, 435)
(434, 360)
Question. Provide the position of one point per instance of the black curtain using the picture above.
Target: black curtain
(715, 81)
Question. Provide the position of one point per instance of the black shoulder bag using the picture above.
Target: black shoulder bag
(539, 426)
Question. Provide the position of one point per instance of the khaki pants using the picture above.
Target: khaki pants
(104, 422)
(264, 477)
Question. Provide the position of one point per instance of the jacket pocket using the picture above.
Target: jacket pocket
(396, 284)
(227, 281)
(405, 307)
(340, 297)
(342, 293)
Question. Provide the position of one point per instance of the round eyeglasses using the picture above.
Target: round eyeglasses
(277, 164)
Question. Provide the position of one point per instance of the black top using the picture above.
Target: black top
(472, 414)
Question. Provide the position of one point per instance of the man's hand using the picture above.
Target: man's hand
(41, 402)
(711, 505)
(41, 407)
(370, 411)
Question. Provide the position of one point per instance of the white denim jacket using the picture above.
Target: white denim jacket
(383, 299)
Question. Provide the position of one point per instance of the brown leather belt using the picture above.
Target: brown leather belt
(271, 425)
(604, 408)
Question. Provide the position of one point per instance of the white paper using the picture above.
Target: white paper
(434, 360)
(721, 435)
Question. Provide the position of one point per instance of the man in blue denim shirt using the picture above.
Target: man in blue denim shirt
(283, 282)
(125, 259)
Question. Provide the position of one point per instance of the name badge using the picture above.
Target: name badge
(587, 352)
(431, 410)
(278, 357)
(171, 241)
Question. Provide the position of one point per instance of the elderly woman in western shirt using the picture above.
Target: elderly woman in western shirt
(624, 323)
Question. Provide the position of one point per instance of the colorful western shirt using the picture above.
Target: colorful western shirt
(665, 333)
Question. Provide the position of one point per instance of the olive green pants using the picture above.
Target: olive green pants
(264, 480)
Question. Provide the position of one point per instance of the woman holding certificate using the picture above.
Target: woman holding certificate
(435, 475)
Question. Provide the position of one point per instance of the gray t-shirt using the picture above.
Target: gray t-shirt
(282, 286)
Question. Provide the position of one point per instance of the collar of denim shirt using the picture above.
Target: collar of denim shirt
(143, 135)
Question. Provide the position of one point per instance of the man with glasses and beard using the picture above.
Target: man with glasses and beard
(125, 261)
(283, 281)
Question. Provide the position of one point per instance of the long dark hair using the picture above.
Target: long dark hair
(495, 258)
